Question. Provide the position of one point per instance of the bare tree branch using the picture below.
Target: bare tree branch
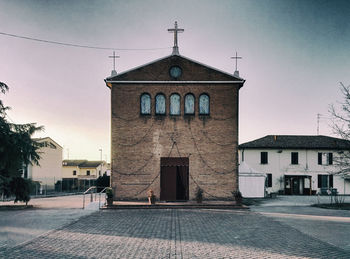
(341, 126)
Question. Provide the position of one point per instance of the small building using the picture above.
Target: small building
(82, 174)
(48, 173)
(298, 165)
(251, 181)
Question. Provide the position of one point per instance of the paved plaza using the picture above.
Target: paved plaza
(175, 233)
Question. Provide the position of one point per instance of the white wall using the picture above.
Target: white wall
(49, 171)
(252, 186)
(67, 171)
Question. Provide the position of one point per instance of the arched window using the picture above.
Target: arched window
(160, 104)
(175, 104)
(204, 104)
(145, 104)
(189, 104)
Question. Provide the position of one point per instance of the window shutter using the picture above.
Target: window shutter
(319, 181)
(330, 159)
(320, 158)
(331, 181)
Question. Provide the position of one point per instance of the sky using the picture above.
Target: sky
(294, 56)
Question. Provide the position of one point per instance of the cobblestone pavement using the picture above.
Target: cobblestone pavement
(21, 225)
(17, 226)
(331, 226)
(175, 234)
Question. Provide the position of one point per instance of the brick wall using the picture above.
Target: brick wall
(210, 142)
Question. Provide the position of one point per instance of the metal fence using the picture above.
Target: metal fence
(50, 186)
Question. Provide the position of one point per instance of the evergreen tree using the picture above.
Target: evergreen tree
(17, 149)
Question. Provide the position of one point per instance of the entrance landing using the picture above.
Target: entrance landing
(227, 205)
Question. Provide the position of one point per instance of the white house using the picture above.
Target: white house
(49, 171)
(81, 174)
(298, 165)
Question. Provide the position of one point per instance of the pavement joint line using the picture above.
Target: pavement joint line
(307, 217)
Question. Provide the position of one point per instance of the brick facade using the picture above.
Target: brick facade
(139, 141)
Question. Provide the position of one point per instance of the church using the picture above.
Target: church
(174, 129)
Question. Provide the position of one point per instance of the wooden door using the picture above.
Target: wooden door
(168, 183)
(174, 173)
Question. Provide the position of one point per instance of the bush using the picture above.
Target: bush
(199, 195)
(109, 193)
(237, 195)
(102, 181)
(21, 188)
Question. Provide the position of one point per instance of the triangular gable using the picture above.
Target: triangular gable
(158, 70)
(245, 169)
(47, 139)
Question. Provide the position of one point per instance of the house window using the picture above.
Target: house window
(329, 158)
(204, 104)
(74, 172)
(189, 104)
(175, 104)
(145, 104)
(263, 158)
(294, 158)
(268, 182)
(160, 104)
(88, 172)
(324, 181)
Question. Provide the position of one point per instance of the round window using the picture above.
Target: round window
(175, 72)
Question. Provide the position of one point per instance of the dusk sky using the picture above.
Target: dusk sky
(295, 53)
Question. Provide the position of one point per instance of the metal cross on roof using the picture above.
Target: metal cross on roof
(236, 57)
(175, 31)
(114, 57)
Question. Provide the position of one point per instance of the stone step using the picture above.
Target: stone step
(178, 206)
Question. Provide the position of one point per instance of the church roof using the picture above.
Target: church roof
(158, 71)
(297, 142)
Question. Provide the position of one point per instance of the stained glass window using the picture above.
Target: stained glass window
(204, 104)
(160, 104)
(189, 104)
(145, 104)
(175, 104)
